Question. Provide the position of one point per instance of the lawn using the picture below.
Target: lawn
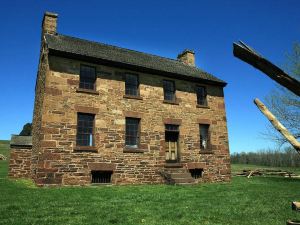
(4, 147)
(257, 200)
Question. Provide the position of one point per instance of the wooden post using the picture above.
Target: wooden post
(296, 206)
(288, 136)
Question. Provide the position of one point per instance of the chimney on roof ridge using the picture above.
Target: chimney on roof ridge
(187, 57)
(49, 23)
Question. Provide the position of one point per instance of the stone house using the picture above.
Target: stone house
(105, 114)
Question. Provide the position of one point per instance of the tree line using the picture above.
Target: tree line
(286, 157)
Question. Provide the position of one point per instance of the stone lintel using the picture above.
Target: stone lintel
(132, 114)
(86, 109)
(204, 121)
(102, 166)
(172, 121)
(196, 165)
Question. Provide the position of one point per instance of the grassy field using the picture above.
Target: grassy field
(4, 147)
(240, 167)
(263, 201)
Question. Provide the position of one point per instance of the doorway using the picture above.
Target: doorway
(172, 143)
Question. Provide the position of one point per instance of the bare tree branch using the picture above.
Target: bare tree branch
(292, 140)
(248, 55)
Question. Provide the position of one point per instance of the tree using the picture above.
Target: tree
(284, 104)
(26, 131)
(250, 56)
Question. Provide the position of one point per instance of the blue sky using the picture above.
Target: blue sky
(163, 28)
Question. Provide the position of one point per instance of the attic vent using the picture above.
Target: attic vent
(101, 177)
(196, 173)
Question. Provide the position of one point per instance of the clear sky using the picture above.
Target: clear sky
(158, 27)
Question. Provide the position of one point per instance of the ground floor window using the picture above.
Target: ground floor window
(101, 177)
(196, 173)
(204, 136)
(85, 129)
(132, 136)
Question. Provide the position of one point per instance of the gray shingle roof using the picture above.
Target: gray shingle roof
(111, 53)
(17, 140)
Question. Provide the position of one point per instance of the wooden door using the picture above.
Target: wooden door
(171, 151)
(171, 146)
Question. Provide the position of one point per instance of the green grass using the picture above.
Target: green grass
(243, 201)
(4, 150)
(4, 147)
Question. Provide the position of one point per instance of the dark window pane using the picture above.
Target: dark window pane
(201, 96)
(101, 176)
(132, 132)
(169, 90)
(204, 136)
(171, 127)
(196, 173)
(85, 126)
(131, 85)
(87, 77)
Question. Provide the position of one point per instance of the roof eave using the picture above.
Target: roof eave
(132, 67)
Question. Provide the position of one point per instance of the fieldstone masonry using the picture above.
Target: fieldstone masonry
(55, 158)
(20, 157)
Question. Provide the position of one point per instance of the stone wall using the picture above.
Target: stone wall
(19, 163)
(60, 162)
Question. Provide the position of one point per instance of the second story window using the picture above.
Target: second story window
(132, 132)
(87, 77)
(169, 90)
(131, 85)
(85, 129)
(204, 136)
(201, 96)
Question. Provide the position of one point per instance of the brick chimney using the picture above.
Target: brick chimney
(187, 57)
(49, 23)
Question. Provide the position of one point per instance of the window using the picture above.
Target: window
(201, 95)
(131, 85)
(85, 127)
(101, 177)
(132, 132)
(204, 136)
(196, 173)
(169, 90)
(87, 77)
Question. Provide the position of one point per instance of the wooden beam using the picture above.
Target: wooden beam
(296, 206)
(248, 55)
(288, 136)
